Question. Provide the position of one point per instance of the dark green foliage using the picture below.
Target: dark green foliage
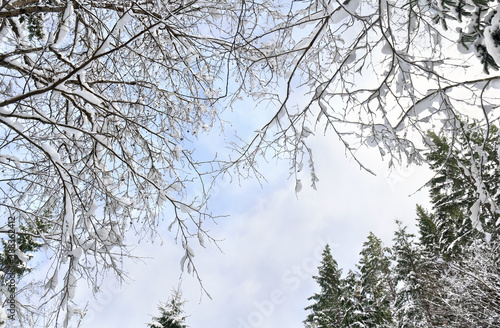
(26, 242)
(35, 20)
(424, 280)
(416, 282)
(171, 313)
(362, 299)
(475, 16)
(466, 39)
(440, 235)
(460, 280)
(327, 310)
(448, 275)
(429, 235)
(462, 10)
(352, 300)
(496, 36)
(467, 175)
(375, 283)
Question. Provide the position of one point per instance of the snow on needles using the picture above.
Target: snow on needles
(492, 37)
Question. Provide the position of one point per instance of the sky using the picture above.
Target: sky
(270, 246)
(260, 274)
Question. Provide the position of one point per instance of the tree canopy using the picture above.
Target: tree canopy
(327, 308)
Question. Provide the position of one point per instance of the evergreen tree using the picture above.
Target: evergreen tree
(412, 306)
(375, 283)
(171, 313)
(14, 257)
(460, 234)
(352, 301)
(464, 191)
(440, 235)
(450, 277)
(428, 231)
(327, 310)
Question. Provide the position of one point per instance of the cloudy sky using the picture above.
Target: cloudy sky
(271, 244)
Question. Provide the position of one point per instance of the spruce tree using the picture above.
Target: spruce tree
(352, 300)
(171, 313)
(327, 309)
(465, 190)
(375, 283)
(460, 234)
(429, 235)
(450, 277)
(13, 259)
(412, 304)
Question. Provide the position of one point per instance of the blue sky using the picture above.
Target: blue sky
(271, 244)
